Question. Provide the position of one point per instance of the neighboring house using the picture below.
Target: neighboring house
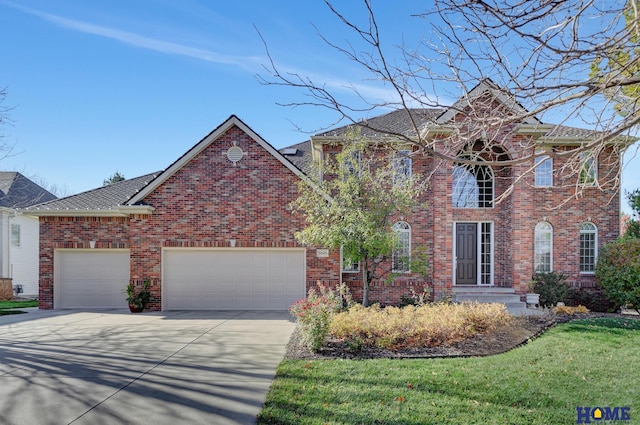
(215, 231)
(19, 239)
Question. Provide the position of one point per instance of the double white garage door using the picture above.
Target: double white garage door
(193, 279)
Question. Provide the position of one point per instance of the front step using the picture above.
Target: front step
(489, 294)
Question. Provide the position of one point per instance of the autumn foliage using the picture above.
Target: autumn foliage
(411, 326)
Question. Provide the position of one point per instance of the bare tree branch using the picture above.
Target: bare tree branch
(561, 61)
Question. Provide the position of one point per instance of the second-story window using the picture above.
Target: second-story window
(401, 166)
(472, 185)
(588, 172)
(544, 171)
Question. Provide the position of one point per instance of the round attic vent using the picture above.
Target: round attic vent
(235, 154)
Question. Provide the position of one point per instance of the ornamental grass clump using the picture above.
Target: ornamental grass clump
(570, 311)
(314, 313)
(409, 327)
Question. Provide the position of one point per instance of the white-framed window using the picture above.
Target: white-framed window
(348, 265)
(543, 248)
(401, 255)
(472, 185)
(544, 171)
(15, 235)
(351, 164)
(588, 174)
(588, 248)
(401, 166)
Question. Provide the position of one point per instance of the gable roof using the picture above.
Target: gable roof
(398, 123)
(404, 122)
(17, 191)
(104, 200)
(486, 86)
(201, 145)
(127, 196)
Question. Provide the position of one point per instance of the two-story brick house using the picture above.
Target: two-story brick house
(214, 230)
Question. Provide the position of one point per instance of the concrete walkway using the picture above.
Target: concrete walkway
(113, 367)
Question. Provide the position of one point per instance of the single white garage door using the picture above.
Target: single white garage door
(232, 279)
(90, 278)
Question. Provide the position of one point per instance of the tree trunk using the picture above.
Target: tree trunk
(365, 284)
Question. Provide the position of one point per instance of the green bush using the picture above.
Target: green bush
(552, 288)
(618, 272)
(592, 298)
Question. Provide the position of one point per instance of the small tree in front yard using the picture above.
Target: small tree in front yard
(618, 272)
(355, 195)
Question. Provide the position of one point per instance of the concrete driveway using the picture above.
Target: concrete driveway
(114, 367)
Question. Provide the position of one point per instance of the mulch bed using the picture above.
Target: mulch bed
(519, 332)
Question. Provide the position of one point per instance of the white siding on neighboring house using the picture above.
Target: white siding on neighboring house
(19, 255)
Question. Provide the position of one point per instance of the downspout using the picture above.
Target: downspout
(6, 239)
(9, 265)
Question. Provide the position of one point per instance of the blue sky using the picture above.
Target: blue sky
(130, 86)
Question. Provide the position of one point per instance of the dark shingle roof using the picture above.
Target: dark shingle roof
(103, 198)
(302, 156)
(17, 191)
(565, 131)
(395, 122)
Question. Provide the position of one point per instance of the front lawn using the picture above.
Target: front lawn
(590, 362)
(8, 307)
(18, 304)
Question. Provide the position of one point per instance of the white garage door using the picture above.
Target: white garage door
(90, 278)
(247, 279)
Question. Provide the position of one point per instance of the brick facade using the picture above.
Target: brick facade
(206, 203)
(566, 206)
(209, 201)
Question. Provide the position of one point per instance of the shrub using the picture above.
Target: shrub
(570, 311)
(592, 298)
(416, 299)
(315, 312)
(618, 272)
(411, 326)
(552, 288)
(138, 298)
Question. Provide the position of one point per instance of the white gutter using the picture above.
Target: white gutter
(119, 211)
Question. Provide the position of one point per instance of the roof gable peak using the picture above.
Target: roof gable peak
(486, 87)
(210, 138)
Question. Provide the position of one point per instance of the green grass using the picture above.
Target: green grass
(589, 362)
(4, 305)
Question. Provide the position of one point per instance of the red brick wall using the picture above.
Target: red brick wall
(566, 207)
(210, 201)
(514, 220)
(204, 204)
(75, 232)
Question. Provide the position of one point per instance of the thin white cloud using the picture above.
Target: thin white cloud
(140, 41)
(376, 93)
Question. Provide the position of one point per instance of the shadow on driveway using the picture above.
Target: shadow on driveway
(112, 367)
